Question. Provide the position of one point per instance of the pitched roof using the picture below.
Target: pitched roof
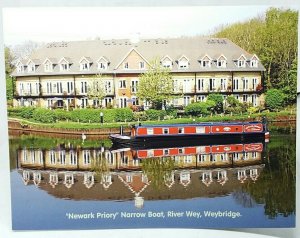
(116, 50)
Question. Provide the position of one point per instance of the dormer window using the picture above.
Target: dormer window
(64, 64)
(205, 61)
(84, 66)
(102, 66)
(183, 62)
(221, 62)
(85, 63)
(166, 62)
(20, 68)
(126, 65)
(31, 67)
(102, 63)
(48, 66)
(241, 62)
(254, 62)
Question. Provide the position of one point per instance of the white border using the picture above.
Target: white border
(5, 215)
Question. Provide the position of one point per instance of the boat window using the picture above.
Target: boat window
(166, 130)
(180, 151)
(166, 152)
(200, 129)
(150, 131)
(180, 130)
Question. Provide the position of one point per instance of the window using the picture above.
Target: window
(126, 65)
(254, 83)
(48, 67)
(58, 87)
(183, 64)
(200, 84)
(49, 88)
(37, 88)
(254, 100)
(52, 157)
(186, 86)
(84, 102)
(245, 98)
(167, 64)
(180, 151)
(122, 102)
(84, 66)
(180, 130)
(149, 131)
(236, 84)
(31, 67)
(205, 63)
(142, 65)
(73, 157)
(70, 87)
(49, 103)
(102, 65)
(166, 152)
(241, 63)
(64, 67)
(221, 63)
(134, 85)
(201, 98)
(107, 101)
(245, 83)
(29, 89)
(165, 130)
(83, 87)
(20, 68)
(186, 100)
(223, 84)
(135, 101)
(122, 83)
(86, 157)
(212, 84)
(254, 63)
(108, 87)
(129, 178)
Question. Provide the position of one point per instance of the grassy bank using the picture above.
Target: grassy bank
(271, 116)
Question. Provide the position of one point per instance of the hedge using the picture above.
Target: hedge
(153, 114)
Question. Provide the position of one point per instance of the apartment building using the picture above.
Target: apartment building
(60, 75)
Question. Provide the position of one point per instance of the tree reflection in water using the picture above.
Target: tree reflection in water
(159, 171)
(276, 188)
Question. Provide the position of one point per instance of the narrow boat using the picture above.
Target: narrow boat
(202, 132)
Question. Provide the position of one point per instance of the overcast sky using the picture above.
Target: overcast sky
(67, 24)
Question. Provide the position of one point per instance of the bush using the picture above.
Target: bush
(153, 114)
(123, 114)
(139, 116)
(44, 115)
(274, 99)
(62, 115)
(198, 108)
(27, 112)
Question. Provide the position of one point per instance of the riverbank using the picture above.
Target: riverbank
(19, 126)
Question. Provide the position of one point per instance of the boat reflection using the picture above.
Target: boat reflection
(140, 174)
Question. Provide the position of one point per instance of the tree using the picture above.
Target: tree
(290, 88)
(200, 108)
(273, 38)
(274, 99)
(156, 85)
(218, 99)
(8, 61)
(96, 88)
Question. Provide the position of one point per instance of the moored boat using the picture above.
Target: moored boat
(220, 131)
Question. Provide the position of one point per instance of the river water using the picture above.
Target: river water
(74, 184)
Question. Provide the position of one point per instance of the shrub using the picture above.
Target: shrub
(62, 115)
(139, 116)
(198, 108)
(44, 115)
(218, 99)
(153, 114)
(123, 114)
(27, 112)
(274, 99)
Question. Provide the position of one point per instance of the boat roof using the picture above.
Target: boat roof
(198, 124)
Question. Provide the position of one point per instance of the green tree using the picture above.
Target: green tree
(156, 85)
(200, 108)
(273, 38)
(274, 99)
(96, 88)
(9, 67)
(290, 88)
(218, 99)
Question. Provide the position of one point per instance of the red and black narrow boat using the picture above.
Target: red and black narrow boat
(203, 132)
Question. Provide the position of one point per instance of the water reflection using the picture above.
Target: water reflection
(81, 173)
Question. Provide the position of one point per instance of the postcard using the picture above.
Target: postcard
(157, 117)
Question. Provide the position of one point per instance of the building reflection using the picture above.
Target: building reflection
(129, 174)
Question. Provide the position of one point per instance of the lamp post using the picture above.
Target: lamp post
(101, 117)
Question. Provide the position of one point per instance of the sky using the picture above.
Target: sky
(81, 23)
